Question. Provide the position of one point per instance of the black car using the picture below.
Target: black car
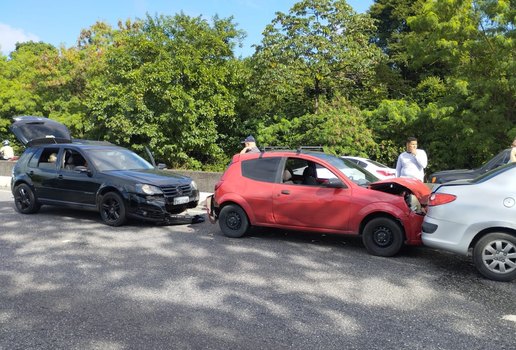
(450, 175)
(91, 175)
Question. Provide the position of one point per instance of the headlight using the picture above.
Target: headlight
(194, 185)
(148, 189)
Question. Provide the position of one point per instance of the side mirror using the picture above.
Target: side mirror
(83, 169)
(162, 166)
(334, 183)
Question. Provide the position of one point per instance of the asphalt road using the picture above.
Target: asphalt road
(67, 281)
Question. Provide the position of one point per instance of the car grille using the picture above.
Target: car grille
(176, 191)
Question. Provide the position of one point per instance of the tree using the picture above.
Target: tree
(168, 83)
(467, 48)
(318, 51)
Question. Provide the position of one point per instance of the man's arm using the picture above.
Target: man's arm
(421, 158)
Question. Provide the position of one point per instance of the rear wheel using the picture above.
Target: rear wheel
(25, 200)
(233, 221)
(382, 237)
(112, 209)
(494, 256)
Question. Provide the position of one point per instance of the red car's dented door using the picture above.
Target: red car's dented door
(312, 206)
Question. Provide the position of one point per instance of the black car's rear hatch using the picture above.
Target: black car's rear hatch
(32, 131)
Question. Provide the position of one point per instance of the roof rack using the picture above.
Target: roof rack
(300, 149)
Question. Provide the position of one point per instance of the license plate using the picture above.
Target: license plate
(181, 200)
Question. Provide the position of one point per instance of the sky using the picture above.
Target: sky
(59, 22)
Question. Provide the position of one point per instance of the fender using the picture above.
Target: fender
(378, 207)
(237, 199)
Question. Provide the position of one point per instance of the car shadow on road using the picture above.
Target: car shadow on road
(64, 213)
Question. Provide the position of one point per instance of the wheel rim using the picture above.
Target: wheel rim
(233, 221)
(23, 199)
(111, 209)
(499, 256)
(383, 236)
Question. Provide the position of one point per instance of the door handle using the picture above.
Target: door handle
(60, 176)
(285, 192)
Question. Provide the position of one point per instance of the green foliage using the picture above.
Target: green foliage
(168, 82)
(339, 128)
(320, 50)
(359, 84)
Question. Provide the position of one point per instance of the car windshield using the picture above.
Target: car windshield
(380, 165)
(354, 172)
(117, 159)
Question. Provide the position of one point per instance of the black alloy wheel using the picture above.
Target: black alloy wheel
(25, 200)
(112, 209)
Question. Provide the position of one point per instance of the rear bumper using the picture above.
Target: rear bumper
(446, 235)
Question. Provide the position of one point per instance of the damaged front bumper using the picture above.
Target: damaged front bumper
(213, 209)
(161, 209)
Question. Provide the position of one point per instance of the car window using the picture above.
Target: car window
(380, 165)
(355, 173)
(48, 158)
(261, 169)
(72, 159)
(33, 163)
(498, 160)
(116, 159)
(494, 172)
(306, 172)
(362, 164)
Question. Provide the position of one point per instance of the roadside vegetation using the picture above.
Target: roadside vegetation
(357, 84)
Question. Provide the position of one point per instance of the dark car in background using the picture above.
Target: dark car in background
(459, 174)
(118, 183)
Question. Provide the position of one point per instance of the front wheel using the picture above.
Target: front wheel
(233, 221)
(494, 256)
(112, 209)
(25, 200)
(382, 237)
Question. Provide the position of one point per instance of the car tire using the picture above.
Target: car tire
(25, 200)
(382, 237)
(494, 256)
(112, 209)
(233, 221)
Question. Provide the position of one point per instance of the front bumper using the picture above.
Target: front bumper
(213, 209)
(159, 208)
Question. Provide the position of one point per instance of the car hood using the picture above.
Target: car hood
(151, 176)
(30, 131)
(400, 184)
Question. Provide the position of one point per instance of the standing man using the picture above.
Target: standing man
(412, 162)
(249, 145)
(6, 151)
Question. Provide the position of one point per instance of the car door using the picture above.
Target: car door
(43, 173)
(259, 177)
(313, 206)
(74, 184)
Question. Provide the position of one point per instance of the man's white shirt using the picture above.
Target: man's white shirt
(410, 165)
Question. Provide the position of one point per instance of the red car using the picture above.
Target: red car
(318, 192)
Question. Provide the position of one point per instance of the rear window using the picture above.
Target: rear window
(261, 169)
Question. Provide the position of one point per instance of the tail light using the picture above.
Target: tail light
(385, 172)
(441, 198)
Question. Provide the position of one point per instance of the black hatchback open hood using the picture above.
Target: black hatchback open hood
(30, 130)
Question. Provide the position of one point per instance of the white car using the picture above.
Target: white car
(477, 217)
(379, 170)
